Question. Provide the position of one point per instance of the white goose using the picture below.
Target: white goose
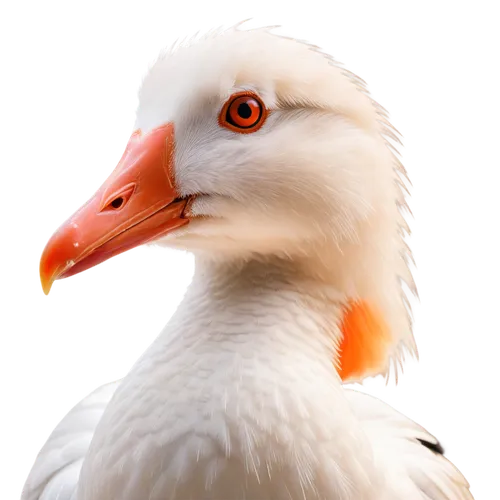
(271, 164)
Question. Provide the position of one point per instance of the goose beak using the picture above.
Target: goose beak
(138, 203)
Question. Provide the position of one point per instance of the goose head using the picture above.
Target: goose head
(251, 145)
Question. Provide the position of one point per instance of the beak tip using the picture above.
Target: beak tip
(46, 288)
(46, 283)
(46, 276)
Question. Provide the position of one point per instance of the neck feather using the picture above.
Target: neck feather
(262, 306)
(241, 388)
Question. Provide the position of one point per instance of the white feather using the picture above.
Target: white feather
(239, 396)
(55, 473)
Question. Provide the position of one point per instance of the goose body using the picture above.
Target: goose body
(270, 163)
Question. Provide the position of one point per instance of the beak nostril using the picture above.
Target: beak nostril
(117, 202)
(118, 199)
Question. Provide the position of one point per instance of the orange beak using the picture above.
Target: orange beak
(137, 203)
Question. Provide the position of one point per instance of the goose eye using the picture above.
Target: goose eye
(243, 112)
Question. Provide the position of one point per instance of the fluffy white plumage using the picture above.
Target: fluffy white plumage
(239, 396)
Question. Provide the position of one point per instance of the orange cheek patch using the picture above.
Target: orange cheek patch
(365, 343)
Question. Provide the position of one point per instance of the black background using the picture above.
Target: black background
(87, 69)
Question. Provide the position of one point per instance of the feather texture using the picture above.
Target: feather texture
(56, 470)
(240, 396)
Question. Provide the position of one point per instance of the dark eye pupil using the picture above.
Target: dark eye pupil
(244, 110)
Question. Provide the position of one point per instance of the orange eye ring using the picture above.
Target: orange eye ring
(243, 112)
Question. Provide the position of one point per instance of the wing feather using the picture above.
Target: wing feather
(411, 457)
(55, 473)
